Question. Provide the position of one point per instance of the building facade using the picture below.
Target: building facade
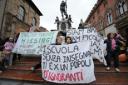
(109, 16)
(17, 16)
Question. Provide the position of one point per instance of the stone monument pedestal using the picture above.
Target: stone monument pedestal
(63, 25)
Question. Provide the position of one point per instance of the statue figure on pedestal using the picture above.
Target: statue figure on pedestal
(63, 8)
(57, 21)
(69, 21)
(81, 25)
(66, 21)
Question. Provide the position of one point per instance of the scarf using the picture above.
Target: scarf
(113, 44)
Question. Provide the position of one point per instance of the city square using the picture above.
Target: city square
(63, 42)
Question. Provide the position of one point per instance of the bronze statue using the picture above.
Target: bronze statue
(63, 8)
(57, 21)
(66, 21)
(70, 21)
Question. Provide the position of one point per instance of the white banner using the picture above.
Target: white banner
(91, 35)
(31, 42)
(70, 64)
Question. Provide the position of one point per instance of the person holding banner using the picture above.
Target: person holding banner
(68, 40)
(112, 51)
(59, 41)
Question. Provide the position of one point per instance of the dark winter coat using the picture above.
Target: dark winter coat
(109, 45)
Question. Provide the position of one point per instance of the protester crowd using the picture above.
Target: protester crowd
(115, 45)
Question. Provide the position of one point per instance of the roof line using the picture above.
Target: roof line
(94, 9)
(31, 3)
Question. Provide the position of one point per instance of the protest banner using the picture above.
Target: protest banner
(90, 34)
(70, 63)
(31, 42)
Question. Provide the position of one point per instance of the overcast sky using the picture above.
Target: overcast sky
(79, 9)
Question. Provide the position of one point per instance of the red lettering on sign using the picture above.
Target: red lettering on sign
(77, 76)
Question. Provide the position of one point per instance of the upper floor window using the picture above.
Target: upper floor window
(21, 13)
(34, 21)
(122, 7)
(109, 17)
